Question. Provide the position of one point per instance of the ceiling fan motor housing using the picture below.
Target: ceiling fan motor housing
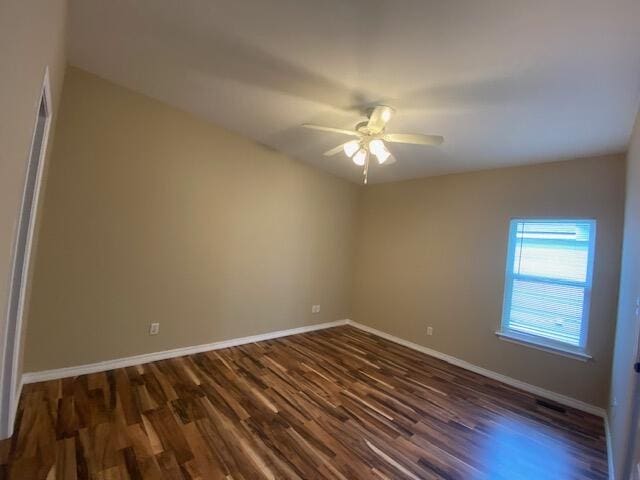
(362, 127)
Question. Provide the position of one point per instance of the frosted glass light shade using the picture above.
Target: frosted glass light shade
(382, 156)
(351, 147)
(379, 149)
(360, 157)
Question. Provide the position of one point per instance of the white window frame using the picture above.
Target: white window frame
(535, 341)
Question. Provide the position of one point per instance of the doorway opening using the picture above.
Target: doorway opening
(11, 383)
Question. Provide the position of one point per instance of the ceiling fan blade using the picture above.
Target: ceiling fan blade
(331, 129)
(379, 117)
(414, 138)
(334, 150)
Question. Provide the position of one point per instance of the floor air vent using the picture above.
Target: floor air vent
(552, 406)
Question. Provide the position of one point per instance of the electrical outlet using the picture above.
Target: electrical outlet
(429, 330)
(315, 308)
(154, 329)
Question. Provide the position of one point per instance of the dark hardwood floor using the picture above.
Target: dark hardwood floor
(333, 404)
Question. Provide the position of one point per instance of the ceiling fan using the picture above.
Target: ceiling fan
(372, 137)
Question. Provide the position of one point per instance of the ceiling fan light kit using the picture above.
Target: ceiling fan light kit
(372, 137)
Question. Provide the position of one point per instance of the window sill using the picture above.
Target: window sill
(565, 352)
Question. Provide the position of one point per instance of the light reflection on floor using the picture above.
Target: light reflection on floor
(515, 450)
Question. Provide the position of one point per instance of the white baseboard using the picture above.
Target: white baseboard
(32, 377)
(527, 387)
(44, 375)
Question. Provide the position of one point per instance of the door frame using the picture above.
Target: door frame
(11, 381)
(631, 465)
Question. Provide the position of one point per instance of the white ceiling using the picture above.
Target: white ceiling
(506, 82)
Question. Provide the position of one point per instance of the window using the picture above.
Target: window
(548, 283)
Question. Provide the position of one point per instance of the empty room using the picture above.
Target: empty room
(341, 239)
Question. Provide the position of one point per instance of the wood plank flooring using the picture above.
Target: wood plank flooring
(332, 404)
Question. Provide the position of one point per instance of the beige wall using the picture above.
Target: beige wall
(32, 38)
(153, 215)
(628, 326)
(432, 252)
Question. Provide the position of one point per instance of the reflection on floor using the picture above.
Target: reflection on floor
(337, 403)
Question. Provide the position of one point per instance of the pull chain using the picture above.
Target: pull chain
(366, 169)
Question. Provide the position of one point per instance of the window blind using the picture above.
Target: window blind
(548, 279)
